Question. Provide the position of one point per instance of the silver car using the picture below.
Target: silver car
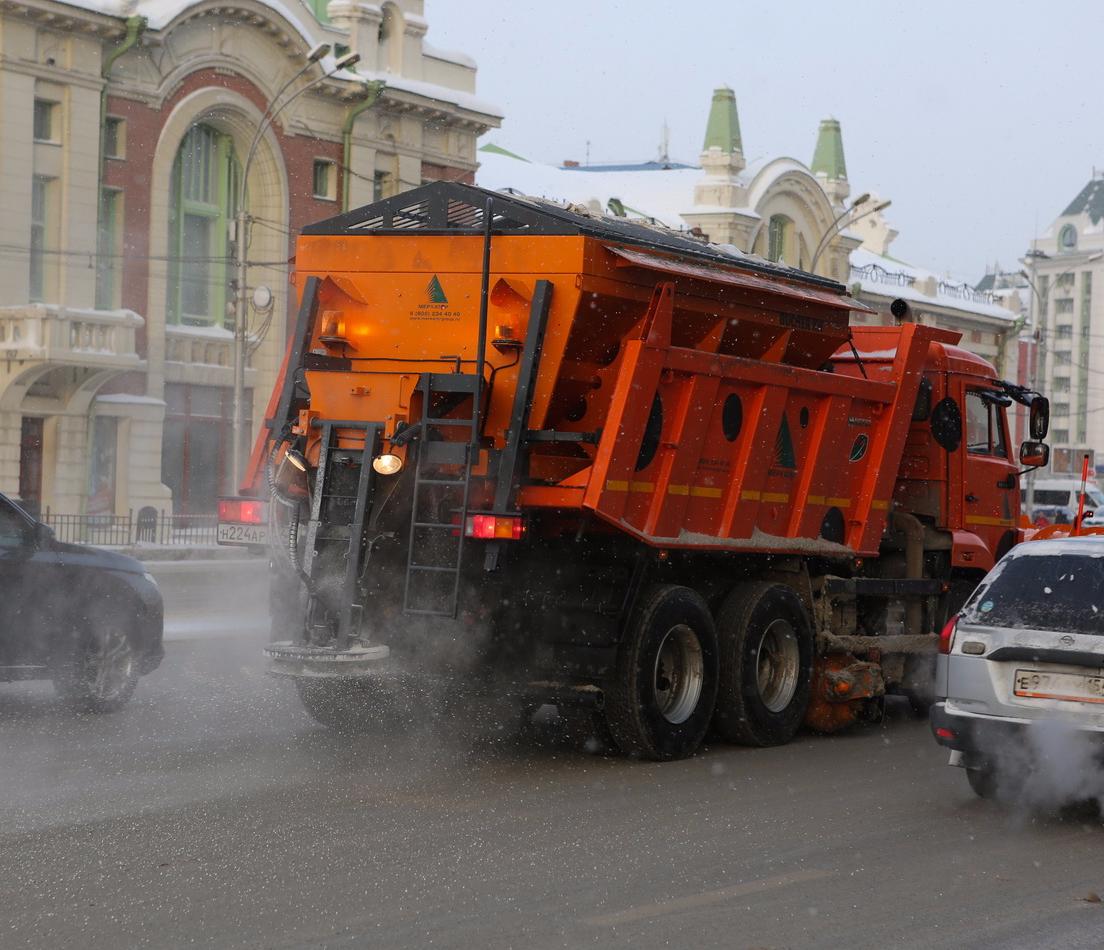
(1020, 676)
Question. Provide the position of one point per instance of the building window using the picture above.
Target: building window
(390, 39)
(778, 237)
(325, 179)
(1061, 384)
(1063, 305)
(114, 137)
(204, 195)
(195, 447)
(109, 250)
(45, 118)
(43, 250)
(1065, 331)
(1061, 409)
(1061, 437)
(381, 186)
(1067, 238)
(101, 466)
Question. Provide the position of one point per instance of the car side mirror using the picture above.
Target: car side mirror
(1039, 424)
(43, 534)
(1034, 454)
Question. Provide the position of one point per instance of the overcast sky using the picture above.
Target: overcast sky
(980, 119)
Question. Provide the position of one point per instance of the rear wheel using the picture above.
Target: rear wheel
(766, 646)
(659, 704)
(100, 671)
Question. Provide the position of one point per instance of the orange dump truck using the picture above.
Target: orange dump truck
(590, 462)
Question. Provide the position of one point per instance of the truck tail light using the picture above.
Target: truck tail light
(242, 511)
(494, 528)
(946, 638)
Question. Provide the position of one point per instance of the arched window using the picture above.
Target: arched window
(779, 229)
(202, 202)
(1067, 238)
(390, 39)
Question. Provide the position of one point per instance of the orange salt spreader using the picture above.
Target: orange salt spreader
(596, 462)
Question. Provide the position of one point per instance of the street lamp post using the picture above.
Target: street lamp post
(241, 242)
(844, 221)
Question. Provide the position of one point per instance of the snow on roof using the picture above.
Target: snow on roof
(448, 55)
(654, 193)
(886, 277)
(161, 13)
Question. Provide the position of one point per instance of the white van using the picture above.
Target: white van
(1056, 500)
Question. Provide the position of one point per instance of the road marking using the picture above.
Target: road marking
(679, 904)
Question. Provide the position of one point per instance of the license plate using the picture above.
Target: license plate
(242, 533)
(1073, 687)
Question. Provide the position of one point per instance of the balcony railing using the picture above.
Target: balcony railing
(202, 346)
(74, 336)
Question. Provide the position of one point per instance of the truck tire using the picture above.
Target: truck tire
(766, 648)
(660, 701)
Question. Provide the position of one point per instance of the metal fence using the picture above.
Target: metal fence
(148, 526)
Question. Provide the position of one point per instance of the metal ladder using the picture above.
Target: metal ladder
(344, 479)
(436, 550)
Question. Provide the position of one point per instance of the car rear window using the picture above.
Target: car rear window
(1061, 592)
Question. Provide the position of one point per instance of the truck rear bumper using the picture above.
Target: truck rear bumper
(298, 660)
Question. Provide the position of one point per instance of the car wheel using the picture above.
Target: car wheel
(983, 781)
(660, 700)
(766, 665)
(100, 672)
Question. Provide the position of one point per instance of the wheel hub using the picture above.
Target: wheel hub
(679, 674)
(778, 665)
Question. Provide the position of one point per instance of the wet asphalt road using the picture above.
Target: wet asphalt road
(212, 812)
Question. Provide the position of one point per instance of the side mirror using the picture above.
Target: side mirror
(43, 534)
(1040, 418)
(1034, 454)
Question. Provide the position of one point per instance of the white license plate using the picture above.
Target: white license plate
(1074, 687)
(242, 533)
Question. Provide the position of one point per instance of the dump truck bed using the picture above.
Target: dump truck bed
(685, 396)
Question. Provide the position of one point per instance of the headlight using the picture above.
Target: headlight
(147, 576)
(387, 464)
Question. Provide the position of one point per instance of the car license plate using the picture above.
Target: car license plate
(242, 533)
(1073, 687)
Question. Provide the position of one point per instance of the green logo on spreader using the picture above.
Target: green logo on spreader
(435, 291)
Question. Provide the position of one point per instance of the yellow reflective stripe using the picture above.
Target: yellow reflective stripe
(678, 489)
(880, 505)
(614, 484)
(839, 502)
(704, 491)
(775, 496)
(749, 496)
(990, 520)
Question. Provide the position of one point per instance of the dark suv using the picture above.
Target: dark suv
(89, 620)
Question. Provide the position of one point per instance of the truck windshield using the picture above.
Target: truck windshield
(1061, 592)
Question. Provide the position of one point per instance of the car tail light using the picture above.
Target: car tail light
(944, 733)
(242, 511)
(946, 638)
(495, 528)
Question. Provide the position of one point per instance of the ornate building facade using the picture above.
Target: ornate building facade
(131, 133)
